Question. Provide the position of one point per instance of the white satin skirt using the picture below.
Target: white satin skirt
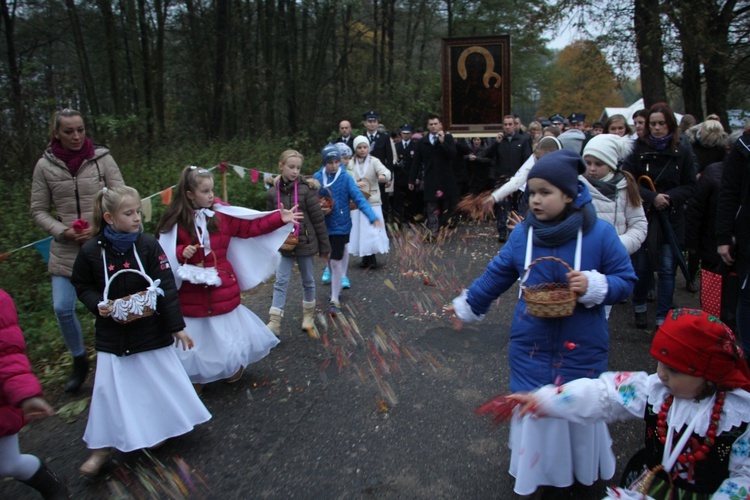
(225, 343)
(141, 400)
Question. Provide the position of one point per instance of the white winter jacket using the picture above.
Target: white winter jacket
(630, 222)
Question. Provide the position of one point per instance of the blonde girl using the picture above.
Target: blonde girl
(197, 229)
(142, 395)
(291, 190)
(367, 240)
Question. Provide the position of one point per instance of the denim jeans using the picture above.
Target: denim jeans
(743, 315)
(284, 272)
(666, 283)
(64, 302)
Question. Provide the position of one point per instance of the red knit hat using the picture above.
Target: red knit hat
(698, 344)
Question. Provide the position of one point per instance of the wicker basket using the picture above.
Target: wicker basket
(326, 202)
(199, 274)
(365, 192)
(290, 243)
(136, 306)
(642, 485)
(549, 300)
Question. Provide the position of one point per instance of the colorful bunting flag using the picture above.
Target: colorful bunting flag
(146, 209)
(166, 196)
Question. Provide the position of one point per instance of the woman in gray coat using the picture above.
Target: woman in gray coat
(71, 171)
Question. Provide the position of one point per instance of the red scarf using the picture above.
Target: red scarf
(73, 159)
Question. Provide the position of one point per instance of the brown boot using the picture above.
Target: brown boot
(275, 323)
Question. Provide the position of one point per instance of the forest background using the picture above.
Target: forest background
(167, 83)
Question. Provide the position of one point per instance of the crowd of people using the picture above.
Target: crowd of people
(609, 209)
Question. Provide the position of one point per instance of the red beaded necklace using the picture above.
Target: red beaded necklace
(696, 452)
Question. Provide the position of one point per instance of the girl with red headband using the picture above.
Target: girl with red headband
(695, 407)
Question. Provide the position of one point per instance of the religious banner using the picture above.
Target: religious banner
(476, 83)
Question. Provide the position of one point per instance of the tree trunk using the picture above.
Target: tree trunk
(289, 49)
(718, 58)
(110, 42)
(650, 51)
(130, 30)
(21, 144)
(161, 21)
(83, 60)
(222, 21)
(148, 99)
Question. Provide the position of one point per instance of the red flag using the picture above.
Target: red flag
(166, 196)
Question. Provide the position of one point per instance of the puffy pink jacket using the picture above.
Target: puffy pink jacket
(17, 383)
(198, 301)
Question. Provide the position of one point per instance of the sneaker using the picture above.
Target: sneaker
(345, 283)
(326, 279)
(335, 308)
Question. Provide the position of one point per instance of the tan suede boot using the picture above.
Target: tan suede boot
(275, 324)
(308, 316)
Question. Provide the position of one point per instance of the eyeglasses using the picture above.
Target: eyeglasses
(200, 170)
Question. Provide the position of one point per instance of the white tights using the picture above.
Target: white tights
(337, 271)
(13, 463)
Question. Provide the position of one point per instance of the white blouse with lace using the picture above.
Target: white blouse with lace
(624, 395)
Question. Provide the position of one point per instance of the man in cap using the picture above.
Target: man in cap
(404, 201)
(577, 121)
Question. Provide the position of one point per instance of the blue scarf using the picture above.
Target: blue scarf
(660, 144)
(557, 232)
(121, 242)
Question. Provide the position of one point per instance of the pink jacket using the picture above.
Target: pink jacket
(17, 383)
(199, 301)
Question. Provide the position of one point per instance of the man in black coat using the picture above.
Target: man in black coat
(509, 152)
(434, 157)
(733, 227)
(345, 127)
(406, 203)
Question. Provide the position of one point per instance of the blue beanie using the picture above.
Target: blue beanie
(329, 153)
(561, 169)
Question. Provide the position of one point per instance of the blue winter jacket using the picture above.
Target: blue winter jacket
(554, 351)
(339, 221)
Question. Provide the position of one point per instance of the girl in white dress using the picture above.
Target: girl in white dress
(142, 395)
(231, 249)
(365, 239)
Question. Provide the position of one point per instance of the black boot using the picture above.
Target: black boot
(48, 484)
(373, 262)
(80, 369)
(365, 264)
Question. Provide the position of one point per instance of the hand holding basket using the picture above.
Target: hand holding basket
(132, 307)
(548, 300)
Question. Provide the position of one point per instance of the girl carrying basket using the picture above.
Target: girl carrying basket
(142, 395)
(562, 223)
(203, 237)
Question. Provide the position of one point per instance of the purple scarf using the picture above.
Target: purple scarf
(660, 144)
(73, 159)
